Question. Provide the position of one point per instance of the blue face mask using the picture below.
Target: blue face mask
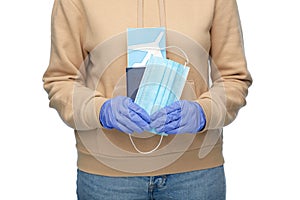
(161, 85)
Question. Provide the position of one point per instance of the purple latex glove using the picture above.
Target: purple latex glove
(180, 117)
(123, 114)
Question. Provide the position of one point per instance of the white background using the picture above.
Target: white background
(37, 151)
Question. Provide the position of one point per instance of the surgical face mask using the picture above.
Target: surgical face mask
(161, 85)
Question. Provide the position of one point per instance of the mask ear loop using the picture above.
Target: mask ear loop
(187, 61)
(147, 152)
(162, 135)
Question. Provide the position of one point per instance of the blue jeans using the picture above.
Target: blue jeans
(206, 184)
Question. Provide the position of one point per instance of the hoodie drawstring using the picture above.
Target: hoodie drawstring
(162, 13)
(140, 17)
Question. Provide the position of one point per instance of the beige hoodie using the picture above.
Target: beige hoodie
(87, 67)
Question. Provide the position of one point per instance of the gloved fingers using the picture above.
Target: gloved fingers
(178, 130)
(169, 126)
(139, 121)
(123, 114)
(114, 121)
(177, 105)
(119, 107)
(166, 110)
(185, 125)
(139, 111)
(181, 128)
(120, 104)
(124, 121)
(165, 119)
(123, 128)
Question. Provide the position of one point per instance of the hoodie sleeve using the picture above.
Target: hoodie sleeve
(229, 73)
(64, 79)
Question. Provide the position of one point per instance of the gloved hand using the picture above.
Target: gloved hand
(123, 114)
(180, 117)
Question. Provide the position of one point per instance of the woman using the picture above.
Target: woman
(85, 81)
